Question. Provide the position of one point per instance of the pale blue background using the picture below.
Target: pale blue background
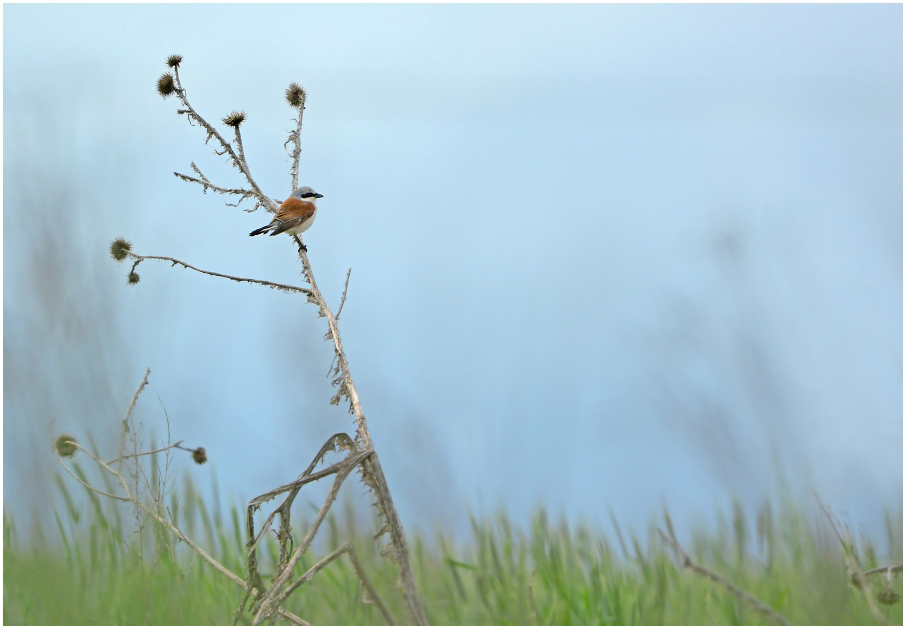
(603, 256)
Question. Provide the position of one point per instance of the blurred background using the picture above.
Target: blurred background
(603, 257)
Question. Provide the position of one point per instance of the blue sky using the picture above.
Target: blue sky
(604, 257)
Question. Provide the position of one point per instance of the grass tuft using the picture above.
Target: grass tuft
(505, 574)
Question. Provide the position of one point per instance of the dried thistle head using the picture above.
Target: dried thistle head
(133, 278)
(888, 597)
(295, 95)
(174, 60)
(199, 456)
(166, 85)
(120, 248)
(235, 119)
(64, 446)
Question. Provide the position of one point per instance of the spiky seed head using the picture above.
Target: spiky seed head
(120, 248)
(64, 446)
(235, 119)
(888, 597)
(166, 85)
(199, 456)
(174, 60)
(295, 95)
(133, 278)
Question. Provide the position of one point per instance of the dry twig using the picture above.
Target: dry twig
(739, 593)
(170, 526)
(284, 287)
(856, 576)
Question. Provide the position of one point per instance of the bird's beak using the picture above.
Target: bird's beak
(318, 196)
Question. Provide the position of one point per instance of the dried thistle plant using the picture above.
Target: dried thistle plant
(360, 452)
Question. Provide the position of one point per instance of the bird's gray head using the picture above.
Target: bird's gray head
(306, 194)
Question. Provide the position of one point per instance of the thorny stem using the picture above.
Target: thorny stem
(296, 139)
(125, 428)
(284, 287)
(202, 181)
(374, 475)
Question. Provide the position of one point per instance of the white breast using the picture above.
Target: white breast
(298, 229)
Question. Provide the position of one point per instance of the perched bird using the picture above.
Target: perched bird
(294, 215)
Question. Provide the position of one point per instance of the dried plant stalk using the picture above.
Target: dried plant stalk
(363, 455)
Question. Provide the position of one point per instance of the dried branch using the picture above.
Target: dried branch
(296, 97)
(339, 440)
(239, 147)
(276, 594)
(372, 593)
(373, 474)
(238, 163)
(138, 454)
(125, 427)
(349, 550)
(897, 567)
(717, 578)
(163, 521)
(284, 287)
(217, 566)
(315, 569)
(343, 298)
(856, 576)
(202, 181)
(87, 485)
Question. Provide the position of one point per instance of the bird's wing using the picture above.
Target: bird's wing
(293, 212)
(293, 209)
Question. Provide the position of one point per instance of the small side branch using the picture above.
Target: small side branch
(125, 428)
(374, 597)
(897, 567)
(343, 298)
(739, 593)
(138, 454)
(203, 181)
(347, 548)
(315, 569)
(856, 576)
(284, 287)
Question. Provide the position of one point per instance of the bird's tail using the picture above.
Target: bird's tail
(260, 230)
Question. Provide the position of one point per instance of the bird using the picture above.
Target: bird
(294, 215)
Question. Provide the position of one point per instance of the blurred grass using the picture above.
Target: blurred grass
(107, 567)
